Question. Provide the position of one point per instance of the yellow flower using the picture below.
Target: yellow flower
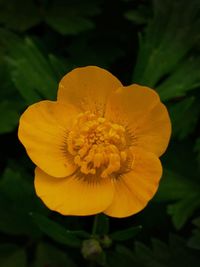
(97, 147)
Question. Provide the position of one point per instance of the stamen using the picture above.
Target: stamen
(97, 144)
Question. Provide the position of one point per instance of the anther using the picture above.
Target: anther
(97, 143)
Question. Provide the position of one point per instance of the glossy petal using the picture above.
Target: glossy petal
(135, 188)
(43, 130)
(88, 88)
(154, 131)
(73, 196)
(140, 110)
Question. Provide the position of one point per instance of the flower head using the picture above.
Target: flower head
(97, 147)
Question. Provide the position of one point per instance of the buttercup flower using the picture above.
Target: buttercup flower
(97, 147)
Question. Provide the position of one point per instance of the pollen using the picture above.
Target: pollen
(97, 145)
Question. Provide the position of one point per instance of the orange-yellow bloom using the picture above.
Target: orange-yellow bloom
(97, 147)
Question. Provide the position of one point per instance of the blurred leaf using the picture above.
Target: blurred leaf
(19, 15)
(165, 255)
(10, 101)
(80, 233)
(17, 200)
(71, 17)
(186, 193)
(39, 80)
(194, 241)
(184, 116)
(197, 149)
(176, 159)
(12, 256)
(121, 256)
(178, 83)
(138, 16)
(8, 117)
(56, 231)
(126, 234)
(60, 67)
(160, 249)
(184, 209)
(95, 52)
(169, 36)
(48, 255)
(146, 256)
(174, 186)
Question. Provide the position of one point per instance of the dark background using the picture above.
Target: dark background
(154, 43)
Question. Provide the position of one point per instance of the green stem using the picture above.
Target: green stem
(95, 224)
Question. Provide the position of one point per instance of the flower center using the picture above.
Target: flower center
(97, 145)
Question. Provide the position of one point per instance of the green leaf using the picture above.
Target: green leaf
(49, 255)
(81, 233)
(59, 66)
(161, 250)
(11, 103)
(185, 192)
(194, 241)
(19, 15)
(197, 150)
(17, 200)
(121, 256)
(138, 16)
(164, 255)
(144, 255)
(184, 209)
(71, 17)
(184, 116)
(10, 121)
(30, 70)
(178, 83)
(126, 234)
(168, 38)
(178, 161)
(12, 256)
(174, 186)
(56, 231)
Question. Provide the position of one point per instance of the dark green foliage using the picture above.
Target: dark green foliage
(71, 17)
(129, 233)
(184, 115)
(159, 254)
(186, 193)
(40, 70)
(17, 200)
(197, 149)
(9, 122)
(150, 42)
(49, 255)
(12, 256)
(55, 231)
(19, 15)
(175, 253)
(139, 16)
(194, 241)
(164, 46)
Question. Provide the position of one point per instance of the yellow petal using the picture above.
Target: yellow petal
(139, 108)
(88, 88)
(134, 189)
(153, 133)
(43, 131)
(72, 195)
